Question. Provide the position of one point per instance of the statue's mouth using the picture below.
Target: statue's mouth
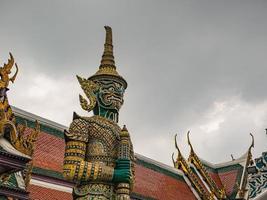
(114, 98)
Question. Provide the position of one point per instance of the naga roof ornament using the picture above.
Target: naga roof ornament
(5, 71)
(18, 136)
(193, 158)
(182, 164)
(242, 188)
(205, 185)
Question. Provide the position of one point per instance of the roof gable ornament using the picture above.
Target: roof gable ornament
(194, 159)
(242, 188)
(183, 165)
(17, 135)
(5, 71)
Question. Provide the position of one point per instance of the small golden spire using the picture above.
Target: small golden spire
(124, 132)
(107, 57)
(124, 128)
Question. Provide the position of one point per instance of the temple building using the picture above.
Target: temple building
(32, 155)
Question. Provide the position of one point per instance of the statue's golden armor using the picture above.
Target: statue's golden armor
(91, 153)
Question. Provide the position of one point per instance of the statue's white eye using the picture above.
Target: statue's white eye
(111, 89)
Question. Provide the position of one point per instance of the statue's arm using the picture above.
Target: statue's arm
(75, 167)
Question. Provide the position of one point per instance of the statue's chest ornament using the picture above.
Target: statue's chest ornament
(96, 148)
(103, 131)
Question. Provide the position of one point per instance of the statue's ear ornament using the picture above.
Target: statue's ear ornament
(89, 88)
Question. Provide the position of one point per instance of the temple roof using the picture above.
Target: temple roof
(153, 179)
(223, 180)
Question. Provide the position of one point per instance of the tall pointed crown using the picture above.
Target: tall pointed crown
(107, 68)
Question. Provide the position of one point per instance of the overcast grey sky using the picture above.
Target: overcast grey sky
(190, 65)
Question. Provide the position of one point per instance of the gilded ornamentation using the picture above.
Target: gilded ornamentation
(25, 142)
(193, 158)
(242, 188)
(98, 154)
(19, 136)
(182, 164)
(89, 87)
(5, 71)
(22, 140)
(6, 114)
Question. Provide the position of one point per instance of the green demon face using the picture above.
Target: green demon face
(110, 95)
(109, 99)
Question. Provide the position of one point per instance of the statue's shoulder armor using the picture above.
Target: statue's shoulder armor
(78, 130)
(101, 123)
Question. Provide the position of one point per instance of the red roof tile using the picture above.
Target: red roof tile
(41, 193)
(49, 152)
(228, 179)
(216, 179)
(156, 185)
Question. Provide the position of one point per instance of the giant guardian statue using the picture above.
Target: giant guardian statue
(98, 153)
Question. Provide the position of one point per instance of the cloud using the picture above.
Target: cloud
(189, 65)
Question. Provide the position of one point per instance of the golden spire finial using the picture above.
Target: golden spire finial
(107, 68)
(107, 57)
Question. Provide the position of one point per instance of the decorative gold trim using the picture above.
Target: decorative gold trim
(25, 142)
(194, 159)
(182, 164)
(89, 87)
(20, 137)
(107, 67)
(242, 188)
(6, 70)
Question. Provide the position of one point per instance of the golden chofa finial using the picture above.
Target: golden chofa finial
(5, 71)
(252, 141)
(192, 154)
(179, 156)
(189, 142)
(250, 160)
(107, 57)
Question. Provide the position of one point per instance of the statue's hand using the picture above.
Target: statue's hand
(122, 171)
(123, 164)
(121, 176)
